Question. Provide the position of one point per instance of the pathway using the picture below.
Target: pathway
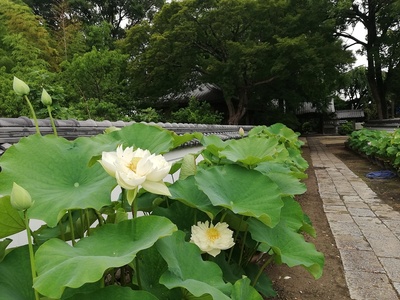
(366, 230)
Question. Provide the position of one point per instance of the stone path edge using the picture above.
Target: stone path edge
(366, 230)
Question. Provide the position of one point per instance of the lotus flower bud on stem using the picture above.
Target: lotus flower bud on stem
(241, 131)
(20, 198)
(46, 98)
(20, 87)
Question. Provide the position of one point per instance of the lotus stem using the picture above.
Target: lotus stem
(236, 238)
(53, 125)
(88, 221)
(33, 114)
(31, 253)
(71, 225)
(262, 270)
(242, 248)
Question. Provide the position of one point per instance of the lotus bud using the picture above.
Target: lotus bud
(111, 129)
(46, 98)
(241, 131)
(20, 198)
(20, 87)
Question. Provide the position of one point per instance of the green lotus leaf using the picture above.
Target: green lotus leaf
(16, 276)
(297, 159)
(245, 192)
(251, 150)
(242, 289)
(151, 267)
(55, 172)
(295, 218)
(186, 268)
(213, 143)
(184, 138)
(288, 184)
(112, 245)
(153, 138)
(188, 167)
(188, 193)
(115, 292)
(3, 246)
(289, 247)
(11, 221)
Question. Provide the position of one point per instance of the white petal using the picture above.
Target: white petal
(158, 187)
(129, 181)
(214, 252)
(108, 160)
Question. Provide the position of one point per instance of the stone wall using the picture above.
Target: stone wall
(13, 129)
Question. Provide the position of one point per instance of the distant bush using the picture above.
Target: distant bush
(198, 112)
(346, 128)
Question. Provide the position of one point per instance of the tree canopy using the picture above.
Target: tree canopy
(381, 20)
(252, 50)
(121, 59)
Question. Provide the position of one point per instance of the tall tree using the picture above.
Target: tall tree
(354, 88)
(24, 36)
(381, 20)
(96, 84)
(248, 48)
(119, 14)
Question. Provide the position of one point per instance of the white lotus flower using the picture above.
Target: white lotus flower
(212, 239)
(137, 168)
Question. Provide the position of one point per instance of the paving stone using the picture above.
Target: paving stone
(335, 208)
(369, 286)
(368, 222)
(361, 212)
(384, 244)
(380, 207)
(332, 201)
(356, 204)
(366, 261)
(349, 228)
(392, 267)
(352, 198)
(369, 198)
(387, 214)
(397, 287)
(339, 217)
(352, 242)
(394, 226)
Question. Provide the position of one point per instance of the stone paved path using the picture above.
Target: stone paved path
(366, 230)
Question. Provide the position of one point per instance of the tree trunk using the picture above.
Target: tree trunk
(374, 74)
(237, 113)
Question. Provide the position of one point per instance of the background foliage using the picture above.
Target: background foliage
(109, 59)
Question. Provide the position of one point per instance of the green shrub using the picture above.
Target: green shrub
(346, 128)
(198, 112)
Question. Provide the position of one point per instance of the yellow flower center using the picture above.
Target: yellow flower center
(212, 234)
(133, 164)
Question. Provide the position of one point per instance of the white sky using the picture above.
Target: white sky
(360, 33)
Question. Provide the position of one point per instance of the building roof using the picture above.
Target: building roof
(350, 114)
(308, 107)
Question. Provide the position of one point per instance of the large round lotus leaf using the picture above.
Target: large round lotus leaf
(187, 192)
(115, 292)
(56, 173)
(10, 220)
(252, 150)
(289, 247)
(245, 192)
(112, 245)
(16, 276)
(187, 269)
(153, 138)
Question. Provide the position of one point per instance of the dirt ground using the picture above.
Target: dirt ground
(296, 283)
